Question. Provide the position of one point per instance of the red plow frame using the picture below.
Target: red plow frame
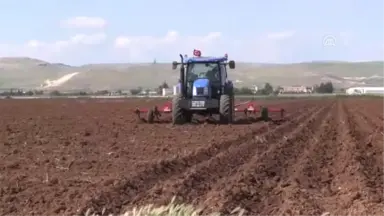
(248, 108)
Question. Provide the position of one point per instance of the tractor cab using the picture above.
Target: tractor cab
(204, 79)
(204, 88)
(203, 76)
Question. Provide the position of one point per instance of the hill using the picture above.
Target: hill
(31, 73)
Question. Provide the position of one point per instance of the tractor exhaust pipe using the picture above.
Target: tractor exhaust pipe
(181, 81)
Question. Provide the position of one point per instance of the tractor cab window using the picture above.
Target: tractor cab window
(209, 71)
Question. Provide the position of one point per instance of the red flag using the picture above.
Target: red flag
(196, 52)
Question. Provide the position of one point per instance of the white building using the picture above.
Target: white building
(365, 90)
(255, 89)
(167, 92)
(176, 89)
(295, 89)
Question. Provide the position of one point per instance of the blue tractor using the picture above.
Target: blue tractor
(203, 89)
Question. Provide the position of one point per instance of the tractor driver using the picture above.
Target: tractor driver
(192, 76)
(213, 74)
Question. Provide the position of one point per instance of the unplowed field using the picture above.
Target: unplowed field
(66, 156)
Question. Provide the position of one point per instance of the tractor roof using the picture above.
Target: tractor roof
(205, 59)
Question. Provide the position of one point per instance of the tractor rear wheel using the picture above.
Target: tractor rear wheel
(233, 107)
(177, 111)
(226, 109)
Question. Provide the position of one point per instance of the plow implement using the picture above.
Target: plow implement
(248, 109)
(154, 113)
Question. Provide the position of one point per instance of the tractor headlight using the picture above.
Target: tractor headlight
(194, 90)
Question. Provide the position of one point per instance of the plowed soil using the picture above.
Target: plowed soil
(67, 156)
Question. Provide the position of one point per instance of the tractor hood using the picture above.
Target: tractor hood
(201, 87)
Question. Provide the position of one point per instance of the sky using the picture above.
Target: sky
(122, 31)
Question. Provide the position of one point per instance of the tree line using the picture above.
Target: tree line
(267, 89)
(322, 88)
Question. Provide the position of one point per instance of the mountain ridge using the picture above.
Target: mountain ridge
(31, 73)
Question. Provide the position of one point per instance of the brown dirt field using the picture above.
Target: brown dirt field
(66, 156)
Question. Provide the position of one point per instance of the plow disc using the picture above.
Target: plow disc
(154, 113)
(248, 108)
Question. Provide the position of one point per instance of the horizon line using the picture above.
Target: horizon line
(170, 62)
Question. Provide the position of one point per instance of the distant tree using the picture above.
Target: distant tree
(243, 91)
(38, 92)
(329, 87)
(6, 93)
(277, 90)
(55, 93)
(135, 91)
(102, 92)
(324, 88)
(267, 90)
(16, 92)
(164, 85)
(29, 93)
